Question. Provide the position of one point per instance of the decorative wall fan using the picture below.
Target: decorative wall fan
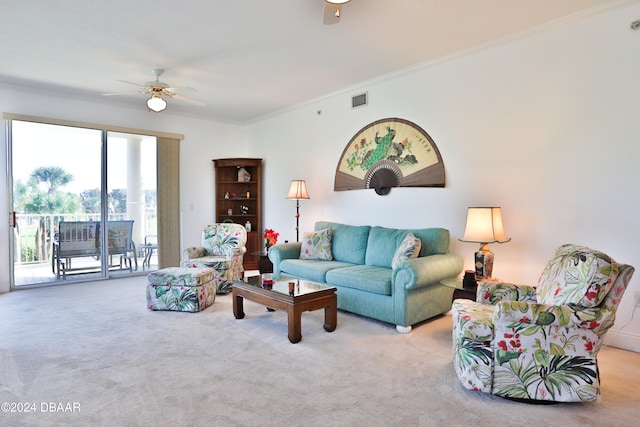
(389, 153)
(332, 11)
(158, 90)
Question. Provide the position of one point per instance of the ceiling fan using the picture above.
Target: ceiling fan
(332, 11)
(158, 90)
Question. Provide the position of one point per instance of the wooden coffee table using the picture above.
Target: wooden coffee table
(307, 296)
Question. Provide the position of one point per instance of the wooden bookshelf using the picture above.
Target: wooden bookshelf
(240, 201)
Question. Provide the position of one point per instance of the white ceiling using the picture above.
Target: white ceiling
(246, 59)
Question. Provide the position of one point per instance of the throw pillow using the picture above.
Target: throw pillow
(317, 245)
(409, 248)
(577, 275)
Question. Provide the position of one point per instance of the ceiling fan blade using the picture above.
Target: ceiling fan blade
(131, 83)
(179, 89)
(158, 89)
(332, 13)
(186, 99)
(124, 93)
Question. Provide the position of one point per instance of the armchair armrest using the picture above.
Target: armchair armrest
(238, 251)
(279, 253)
(199, 252)
(425, 271)
(514, 313)
(193, 252)
(490, 292)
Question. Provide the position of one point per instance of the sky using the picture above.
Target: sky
(77, 151)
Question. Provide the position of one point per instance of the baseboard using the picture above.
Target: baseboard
(624, 340)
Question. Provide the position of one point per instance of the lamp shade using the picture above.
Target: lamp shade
(338, 1)
(484, 225)
(298, 190)
(156, 103)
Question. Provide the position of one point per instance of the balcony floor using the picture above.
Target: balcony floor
(38, 274)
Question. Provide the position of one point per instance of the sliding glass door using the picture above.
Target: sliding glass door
(131, 198)
(84, 203)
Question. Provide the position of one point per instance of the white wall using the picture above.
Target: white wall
(546, 126)
(204, 140)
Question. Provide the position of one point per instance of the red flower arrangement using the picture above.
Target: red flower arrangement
(270, 237)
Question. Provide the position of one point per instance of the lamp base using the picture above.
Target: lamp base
(484, 262)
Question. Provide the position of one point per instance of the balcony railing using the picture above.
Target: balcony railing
(33, 234)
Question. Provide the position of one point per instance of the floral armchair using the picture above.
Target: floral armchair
(222, 248)
(541, 343)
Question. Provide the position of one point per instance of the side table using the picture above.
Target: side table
(459, 290)
(150, 244)
(264, 264)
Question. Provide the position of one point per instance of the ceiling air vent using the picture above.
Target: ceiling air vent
(359, 100)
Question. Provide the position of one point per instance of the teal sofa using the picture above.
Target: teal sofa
(366, 283)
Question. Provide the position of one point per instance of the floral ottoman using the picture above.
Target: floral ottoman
(181, 289)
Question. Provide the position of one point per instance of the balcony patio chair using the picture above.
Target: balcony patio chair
(121, 244)
(74, 239)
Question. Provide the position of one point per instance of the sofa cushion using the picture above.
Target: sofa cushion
(435, 241)
(349, 242)
(312, 270)
(409, 248)
(317, 245)
(382, 245)
(364, 277)
(577, 275)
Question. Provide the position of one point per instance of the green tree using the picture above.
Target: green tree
(53, 177)
(91, 200)
(118, 200)
(42, 195)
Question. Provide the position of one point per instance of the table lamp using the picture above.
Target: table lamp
(484, 226)
(298, 190)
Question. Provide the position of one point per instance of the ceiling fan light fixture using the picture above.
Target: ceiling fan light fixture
(156, 103)
(332, 11)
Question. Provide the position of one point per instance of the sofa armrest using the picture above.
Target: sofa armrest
(516, 314)
(428, 270)
(490, 292)
(193, 252)
(279, 253)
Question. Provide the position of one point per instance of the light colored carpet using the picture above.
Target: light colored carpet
(96, 346)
